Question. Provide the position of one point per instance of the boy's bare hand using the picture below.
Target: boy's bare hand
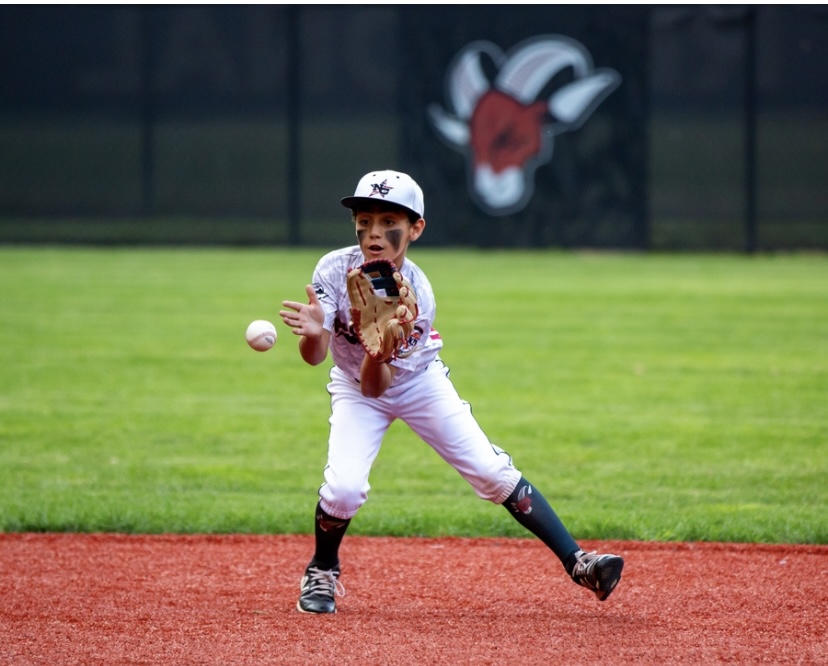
(304, 318)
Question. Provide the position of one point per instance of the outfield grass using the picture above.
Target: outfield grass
(648, 396)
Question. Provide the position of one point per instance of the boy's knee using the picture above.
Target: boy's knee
(498, 489)
(342, 502)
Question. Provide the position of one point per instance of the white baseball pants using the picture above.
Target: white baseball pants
(432, 408)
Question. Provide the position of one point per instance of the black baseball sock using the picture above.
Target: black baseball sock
(329, 532)
(530, 509)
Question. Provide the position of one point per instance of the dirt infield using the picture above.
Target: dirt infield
(116, 599)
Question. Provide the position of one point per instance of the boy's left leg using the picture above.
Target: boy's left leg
(446, 423)
(599, 573)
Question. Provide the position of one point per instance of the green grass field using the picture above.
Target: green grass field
(653, 397)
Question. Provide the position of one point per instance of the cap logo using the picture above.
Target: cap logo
(383, 189)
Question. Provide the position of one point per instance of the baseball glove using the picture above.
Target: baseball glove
(383, 308)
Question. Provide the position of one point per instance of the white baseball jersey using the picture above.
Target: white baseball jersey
(331, 288)
(421, 395)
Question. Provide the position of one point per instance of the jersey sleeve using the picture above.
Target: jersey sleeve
(327, 289)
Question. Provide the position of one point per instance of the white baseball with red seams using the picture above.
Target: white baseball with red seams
(261, 335)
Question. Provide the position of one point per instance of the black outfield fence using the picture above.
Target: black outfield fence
(637, 127)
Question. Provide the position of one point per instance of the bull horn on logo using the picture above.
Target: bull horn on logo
(467, 83)
(503, 128)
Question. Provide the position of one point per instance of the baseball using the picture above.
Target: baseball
(261, 335)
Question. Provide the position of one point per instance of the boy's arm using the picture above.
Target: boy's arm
(314, 350)
(374, 377)
(306, 321)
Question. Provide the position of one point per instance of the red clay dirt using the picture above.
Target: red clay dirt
(119, 599)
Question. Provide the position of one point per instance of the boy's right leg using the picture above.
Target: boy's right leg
(345, 489)
(328, 532)
(320, 584)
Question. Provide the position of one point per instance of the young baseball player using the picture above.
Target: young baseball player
(368, 392)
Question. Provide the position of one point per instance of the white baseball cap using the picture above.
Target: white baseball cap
(388, 186)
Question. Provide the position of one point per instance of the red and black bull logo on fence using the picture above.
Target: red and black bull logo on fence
(506, 125)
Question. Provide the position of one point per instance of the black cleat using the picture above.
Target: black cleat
(599, 573)
(319, 587)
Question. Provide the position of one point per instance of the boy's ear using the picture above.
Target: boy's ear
(417, 228)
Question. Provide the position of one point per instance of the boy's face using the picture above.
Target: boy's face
(384, 232)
